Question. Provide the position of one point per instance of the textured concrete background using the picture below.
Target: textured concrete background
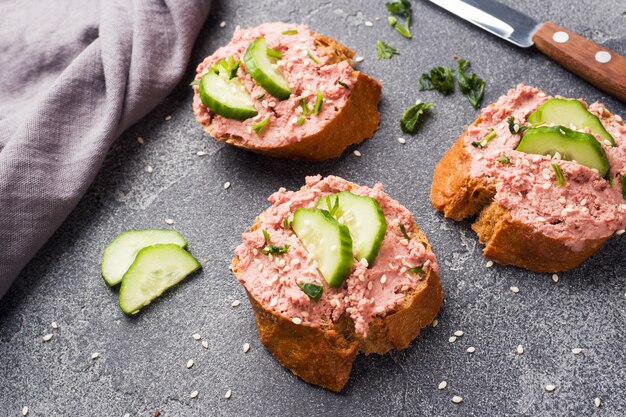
(142, 366)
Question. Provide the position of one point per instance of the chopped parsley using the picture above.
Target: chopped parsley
(488, 137)
(344, 85)
(473, 87)
(438, 78)
(313, 57)
(286, 223)
(560, 178)
(314, 291)
(400, 8)
(260, 126)
(503, 159)
(416, 270)
(515, 127)
(305, 107)
(385, 51)
(274, 53)
(332, 207)
(266, 236)
(404, 233)
(290, 32)
(301, 120)
(319, 99)
(412, 115)
(622, 182)
(275, 249)
(226, 67)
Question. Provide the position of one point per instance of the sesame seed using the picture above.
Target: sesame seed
(435, 322)
(196, 336)
(193, 394)
(459, 333)
(246, 347)
(550, 387)
(541, 94)
(296, 320)
(168, 118)
(369, 285)
(359, 59)
(47, 337)
(189, 363)
(149, 169)
(452, 339)
(54, 325)
(514, 289)
(273, 302)
(368, 23)
(576, 351)
(95, 355)
(228, 394)
(402, 140)
(620, 232)
(205, 344)
(222, 24)
(169, 221)
(596, 401)
(471, 349)
(520, 349)
(555, 278)
(235, 303)
(442, 385)
(201, 153)
(489, 264)
(357, 153)
(140, 140)
(383, 279)
(127, 415)
(226, 185)
(457, 400)
(24, 410)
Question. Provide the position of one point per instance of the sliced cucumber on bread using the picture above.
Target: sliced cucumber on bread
(121, 252)
(570, 144)
(569, 113)
(363, 217)
(328, 242)
(155, 269)
(262, 68)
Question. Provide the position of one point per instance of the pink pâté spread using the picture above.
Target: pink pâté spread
(586, 207)
(305, 78)
(367, 292)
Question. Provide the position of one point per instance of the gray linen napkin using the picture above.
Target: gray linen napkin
(74, 74)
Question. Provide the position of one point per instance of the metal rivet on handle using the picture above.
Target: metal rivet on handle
(560, 37)
(603, 57)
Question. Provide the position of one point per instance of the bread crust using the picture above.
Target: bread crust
(354, 123)
(324, 355)
(507, 241)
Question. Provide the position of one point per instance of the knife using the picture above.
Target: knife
(602, 67)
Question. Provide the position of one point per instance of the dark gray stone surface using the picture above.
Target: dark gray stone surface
(142, 366)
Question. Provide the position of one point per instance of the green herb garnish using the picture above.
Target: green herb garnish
(622, 182)
(612, 183)
(286, 223)
(260, 126)
(313, 57)
(301, 120)
(260, 96)
(392, 20)
(275, 249)
(332, 208)
(416, 270)
(194, 82)
(489, 136)
(438, 78)
(515, 127)
(274, 53)
(385, 51)
(560, 178)
(290, 32)
(344, 85)
(401, 8)
(266, 235)
(411, 117)
(404, 233)
(305, 107)
(227, 67)
(503, 159)
(319, 99)
(314, 291)
(472, 86)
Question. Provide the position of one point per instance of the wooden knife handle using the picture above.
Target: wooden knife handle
(599, 66)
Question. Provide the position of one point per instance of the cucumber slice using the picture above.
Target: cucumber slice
(261, 67)
(327, 241)
(572, 145)
(569, 112)
(226, 97)
(364, 219)
(121, 252)
(156, 268)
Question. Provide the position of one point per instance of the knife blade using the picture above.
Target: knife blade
(602, 67)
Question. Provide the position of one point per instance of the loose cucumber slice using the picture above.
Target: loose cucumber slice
(261, 67)
(156, 268)
(327, 241)
(569, 112)
(570, 144)
(121, 252)
(364, 219)
(226, 97)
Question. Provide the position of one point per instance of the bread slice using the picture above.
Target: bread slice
(355, 122)
(324, 355)
(508, 241)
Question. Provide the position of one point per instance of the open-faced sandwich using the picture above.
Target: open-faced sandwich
(282, 90)
(545, 175)
(333, 270)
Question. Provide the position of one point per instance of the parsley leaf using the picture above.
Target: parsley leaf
(439, 78)
(385, 51)
(560, 178)
(400, 8)
(227, 67)
(314, 291)
(473, 86)
(266, 235)
(260, 126)
(515, 127)
(275, 249)
(411, 117)
(416, 270)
